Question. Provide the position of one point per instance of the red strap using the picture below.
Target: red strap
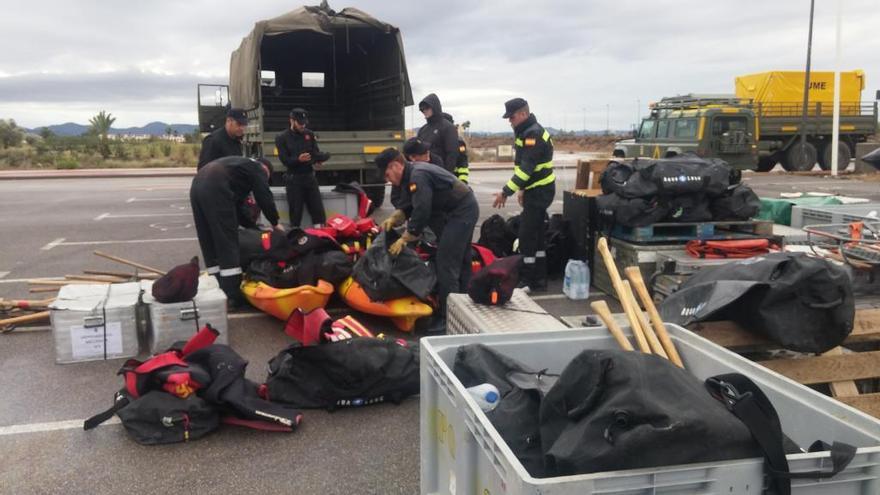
(159, 361)
(205, 337)
(266, 239)
(259, 425)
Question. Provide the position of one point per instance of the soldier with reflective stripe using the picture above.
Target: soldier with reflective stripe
(534, 182)
(462, 167)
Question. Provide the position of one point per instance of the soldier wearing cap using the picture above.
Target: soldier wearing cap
(225, 141)
(298, 151)
(462, 167)
(534, 182)
(427, 190)
(415, 151)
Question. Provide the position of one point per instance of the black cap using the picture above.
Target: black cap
(238, 115)
(511, 106)
(387, 156)
(448, 117)
(414, 146)
(300, 115)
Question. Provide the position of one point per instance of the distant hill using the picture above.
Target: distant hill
(153, 129)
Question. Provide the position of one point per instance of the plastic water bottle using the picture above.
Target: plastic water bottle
(485, 395)
(576, 284)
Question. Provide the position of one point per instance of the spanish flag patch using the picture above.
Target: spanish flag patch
(530, 142)
(412, 187)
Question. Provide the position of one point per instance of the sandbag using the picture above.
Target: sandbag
(385, 277)
(737, 203)
(801, 302)
(347, 373)
(612, 410)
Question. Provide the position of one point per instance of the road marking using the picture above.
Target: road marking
(142, 215)
(133, 199)
(52, 244)
(547, 297)
(130, 241)
(71, 424)
(3, 274)
(130, 200)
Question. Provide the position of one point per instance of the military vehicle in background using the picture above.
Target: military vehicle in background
(346, 68)
(760, 125)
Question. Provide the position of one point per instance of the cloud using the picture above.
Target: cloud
(576, 61)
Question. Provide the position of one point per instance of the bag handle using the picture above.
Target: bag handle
(120, 400)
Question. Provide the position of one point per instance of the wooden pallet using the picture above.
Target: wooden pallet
(839, 367)
(683, 232)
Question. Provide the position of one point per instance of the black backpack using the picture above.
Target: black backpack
(346, 373)
(493, 284)
(802, 302)
(495, 235)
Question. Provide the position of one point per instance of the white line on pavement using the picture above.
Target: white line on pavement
(70, 424)
(102, 216)
(52, 244)
(143, 215)
(133, 199)
(130, 241)
(130, 200)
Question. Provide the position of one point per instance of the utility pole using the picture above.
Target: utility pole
(638, 110)
(585, 120)
(608, 119)
(835, 125)
(807, 85)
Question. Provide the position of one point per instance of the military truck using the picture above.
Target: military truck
(759, 126)
(346, 68)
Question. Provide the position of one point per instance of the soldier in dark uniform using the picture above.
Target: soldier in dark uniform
(428, 190)
(298, 151)
(462, 167)
(225, 141)
(438, 133)
(534, 182)
(216, 190)
(414, 150)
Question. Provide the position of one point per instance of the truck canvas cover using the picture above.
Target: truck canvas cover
(244, 70)
(778, 87)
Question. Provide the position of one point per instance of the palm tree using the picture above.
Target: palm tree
(101, 124)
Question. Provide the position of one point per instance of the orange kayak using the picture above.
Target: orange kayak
(403, 312)
(281, 302)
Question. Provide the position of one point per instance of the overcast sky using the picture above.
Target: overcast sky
(573, 60)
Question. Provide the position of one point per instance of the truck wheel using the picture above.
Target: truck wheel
(767, 163)
(844, 154)
(800, 158)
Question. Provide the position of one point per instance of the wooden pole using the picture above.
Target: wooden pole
(128, 262)
(642, 329)
(604, 312)
(148, 275)
(25, 319)
(618, 284)
(43, 289)
(96, 278)
(635, 277)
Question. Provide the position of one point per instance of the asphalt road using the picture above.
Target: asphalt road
(51, 227)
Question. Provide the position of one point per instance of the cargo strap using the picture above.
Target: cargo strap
(120, 400)
(749, 404)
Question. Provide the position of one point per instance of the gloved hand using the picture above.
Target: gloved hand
(398, 245)
(396, 218)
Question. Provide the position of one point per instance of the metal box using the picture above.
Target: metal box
(92, 322)
(462, 453)
(519, 314)
(627, 254)
(334, 203)
(169, 323)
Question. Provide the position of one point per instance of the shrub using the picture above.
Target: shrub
(67, 163)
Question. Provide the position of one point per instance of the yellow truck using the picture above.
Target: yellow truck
(760, 125)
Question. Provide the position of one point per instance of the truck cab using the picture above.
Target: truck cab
(691, 125)
(346, 68)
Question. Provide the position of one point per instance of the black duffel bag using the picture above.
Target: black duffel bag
(685, 174)
(158, 417)
(630, 212)
(737, 203)
(613, 410)
(687, 208)
(347, 373)
(803, 303)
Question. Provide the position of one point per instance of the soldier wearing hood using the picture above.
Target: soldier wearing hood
(438, 133)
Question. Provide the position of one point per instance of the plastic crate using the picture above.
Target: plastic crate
(334, 203)
(802, 216)
(520, 314)
(461, 453)
(169, 323)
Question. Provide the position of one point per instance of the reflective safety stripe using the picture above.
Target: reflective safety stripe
(213, 270)
(461, 170)
(546, 136)
(518, 142)
(541, 254)
(229, 272)
(529, 260)
(543, 182)
(513, 186)
(519, 173)
(543, 166)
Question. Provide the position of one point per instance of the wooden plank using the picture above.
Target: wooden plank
(826, 369)
(846, 388)
(866, 327)
(869, 403)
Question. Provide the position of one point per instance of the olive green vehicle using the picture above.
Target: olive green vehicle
(347, 69)
(749, 135)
